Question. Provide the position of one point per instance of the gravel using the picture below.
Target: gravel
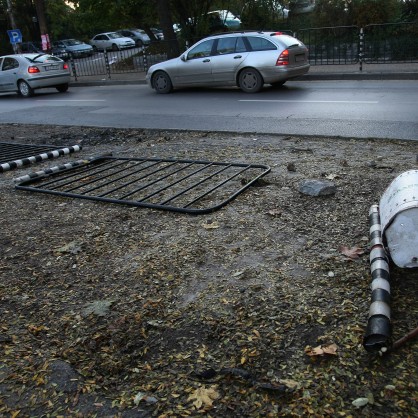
(112, 310)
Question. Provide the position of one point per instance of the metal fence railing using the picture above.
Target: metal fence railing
(374, 44)
(377, 43)
(107, 63)
(391, 42)
(331, 45)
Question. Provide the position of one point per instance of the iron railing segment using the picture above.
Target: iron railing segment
(12, 151)
(13, 155)
(188, 186)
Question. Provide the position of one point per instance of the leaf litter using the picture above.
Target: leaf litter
(163, 314)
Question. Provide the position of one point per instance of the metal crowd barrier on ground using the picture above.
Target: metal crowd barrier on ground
(372, 44)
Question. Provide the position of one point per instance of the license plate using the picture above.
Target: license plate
(51, 67)
(300, 57)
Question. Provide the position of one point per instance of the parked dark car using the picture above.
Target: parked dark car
(76, 48)
(36, 47)
(158, 33)
(138, 35)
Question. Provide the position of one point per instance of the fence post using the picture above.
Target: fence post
(106, 58)
(361, 48)
(73, 69)
(145, 61)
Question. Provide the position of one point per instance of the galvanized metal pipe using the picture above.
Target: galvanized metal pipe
(378, 333)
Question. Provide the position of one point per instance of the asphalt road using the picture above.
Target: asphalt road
(362, 109)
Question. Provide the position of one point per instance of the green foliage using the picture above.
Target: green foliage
(366, 12)
(263, 15)
(331, 13)
(355, 12)
(409, 10)
(89, 17)
(64, 26)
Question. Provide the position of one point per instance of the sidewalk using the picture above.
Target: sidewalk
(403, 71)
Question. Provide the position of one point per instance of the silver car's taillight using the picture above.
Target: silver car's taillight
(33, 69)
(283, 58)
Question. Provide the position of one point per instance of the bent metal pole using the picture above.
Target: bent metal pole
(378, 333)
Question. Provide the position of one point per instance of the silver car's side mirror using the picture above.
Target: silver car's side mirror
(183, 57)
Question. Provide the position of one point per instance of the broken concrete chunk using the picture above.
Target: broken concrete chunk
(312, 187)
(64, 377)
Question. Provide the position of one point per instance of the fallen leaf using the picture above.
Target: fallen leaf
(203, 398)
(73, 247)
(35, 330)
(212, 225)
(140, 396)
(274, 212)
(330, 349)
(359, 402)
(289, 383)
(353, 253)
(332, 176)
(98, 307)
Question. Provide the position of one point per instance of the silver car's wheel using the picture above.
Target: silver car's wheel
(250, 80)
(278, 83)
(161, 82)
(115, 47)
(25, 89)
(62, 88)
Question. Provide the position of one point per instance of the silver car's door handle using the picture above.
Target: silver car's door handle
(206, 60)
(237, 57)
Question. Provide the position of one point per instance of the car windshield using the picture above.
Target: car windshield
(72, 42)
(114, 35)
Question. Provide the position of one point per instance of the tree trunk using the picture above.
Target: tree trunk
(40, 11)
(166, 22)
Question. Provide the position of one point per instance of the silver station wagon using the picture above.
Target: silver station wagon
(24, 73)
(245, 59)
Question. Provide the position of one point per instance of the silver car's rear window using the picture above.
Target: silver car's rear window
(42, 58)
(260, 44)
(287, 40)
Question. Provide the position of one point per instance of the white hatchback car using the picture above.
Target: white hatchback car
(24, 73)
(245, 59)
(111, 41)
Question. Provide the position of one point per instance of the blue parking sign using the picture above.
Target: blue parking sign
(15, 36)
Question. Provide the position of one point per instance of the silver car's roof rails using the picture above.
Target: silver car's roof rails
(235, 31)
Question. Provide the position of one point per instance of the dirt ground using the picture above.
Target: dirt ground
(110, 310)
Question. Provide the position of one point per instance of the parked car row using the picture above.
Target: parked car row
(115, 41)
(36, 47)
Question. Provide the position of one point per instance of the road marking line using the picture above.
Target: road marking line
(311, 101)
(69, 100)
